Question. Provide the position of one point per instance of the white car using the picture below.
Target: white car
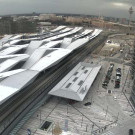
(115, 98)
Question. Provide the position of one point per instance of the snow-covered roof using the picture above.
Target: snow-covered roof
(5, 39)
(58, 28)
(39, 56)
(51, 59)
(12, 50)
(66, 30)
(84, 33)
(12, 56)
(51, 44)
(35, 56)
(95, 33)
(77, 82)
(75, 30)
(82, 41)
(33, 46)
(9, 73)
(16, 82)
(78, 43)
(66, 42)
(16, 37)
(12, 42)
(8, 64)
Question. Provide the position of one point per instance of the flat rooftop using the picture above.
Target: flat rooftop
(77, 82)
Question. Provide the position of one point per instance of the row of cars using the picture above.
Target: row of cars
(118, 78)
(108, 76)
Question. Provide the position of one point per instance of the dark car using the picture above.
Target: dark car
(131, 132)
(87, 104)
(117, 85)
(119, 69)
(104, 84)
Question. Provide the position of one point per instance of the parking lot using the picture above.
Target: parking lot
(102, 109)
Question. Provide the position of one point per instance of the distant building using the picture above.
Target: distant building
(12, 25)
(45, 23)
(6, 24)
(45, 17)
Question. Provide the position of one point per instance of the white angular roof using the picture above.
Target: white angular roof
(77, 82)
(39, 56)
(84, 33)
(82, 41)
(78, 43)
(75, 30)
(12, 56)
(95, 33)
(33, 46)
(5, 39)
(66, 42)
(16, 37)
(66, 30)
(51, 44)
(6, 92)
(8, 64)
(16, 82)
(35, 56)
(12, 50)
(12, 42)
(9, 73)
(58, 28)
(51, 59)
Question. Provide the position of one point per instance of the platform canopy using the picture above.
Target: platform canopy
(15, 83)
(76, 84)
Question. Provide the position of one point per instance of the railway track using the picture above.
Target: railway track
(16, 107)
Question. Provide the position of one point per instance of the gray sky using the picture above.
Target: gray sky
(116, 8)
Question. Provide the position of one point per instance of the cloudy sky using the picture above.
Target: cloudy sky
(116, 8)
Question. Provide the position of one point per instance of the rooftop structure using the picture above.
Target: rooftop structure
(21, 64)
(16, 82)
(75, 30)
(9, 73)
(12, 50)
(5, 39)
(58, 28)
(84, 33)
(8, 64)
(51, 59)
(77, 82)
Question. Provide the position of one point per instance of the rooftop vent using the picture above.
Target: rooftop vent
(68, 85)
(46, 125)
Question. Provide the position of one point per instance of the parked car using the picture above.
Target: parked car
(117, 84)
(118, 78)
(119, 69)
(115, 98)
(104, 84)
(131, 132)
(111, 65)
(118, 73)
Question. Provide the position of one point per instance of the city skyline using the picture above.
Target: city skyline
(115, 8)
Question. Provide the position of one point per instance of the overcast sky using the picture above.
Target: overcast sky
(116, 8)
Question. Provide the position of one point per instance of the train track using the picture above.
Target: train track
(16, 107)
